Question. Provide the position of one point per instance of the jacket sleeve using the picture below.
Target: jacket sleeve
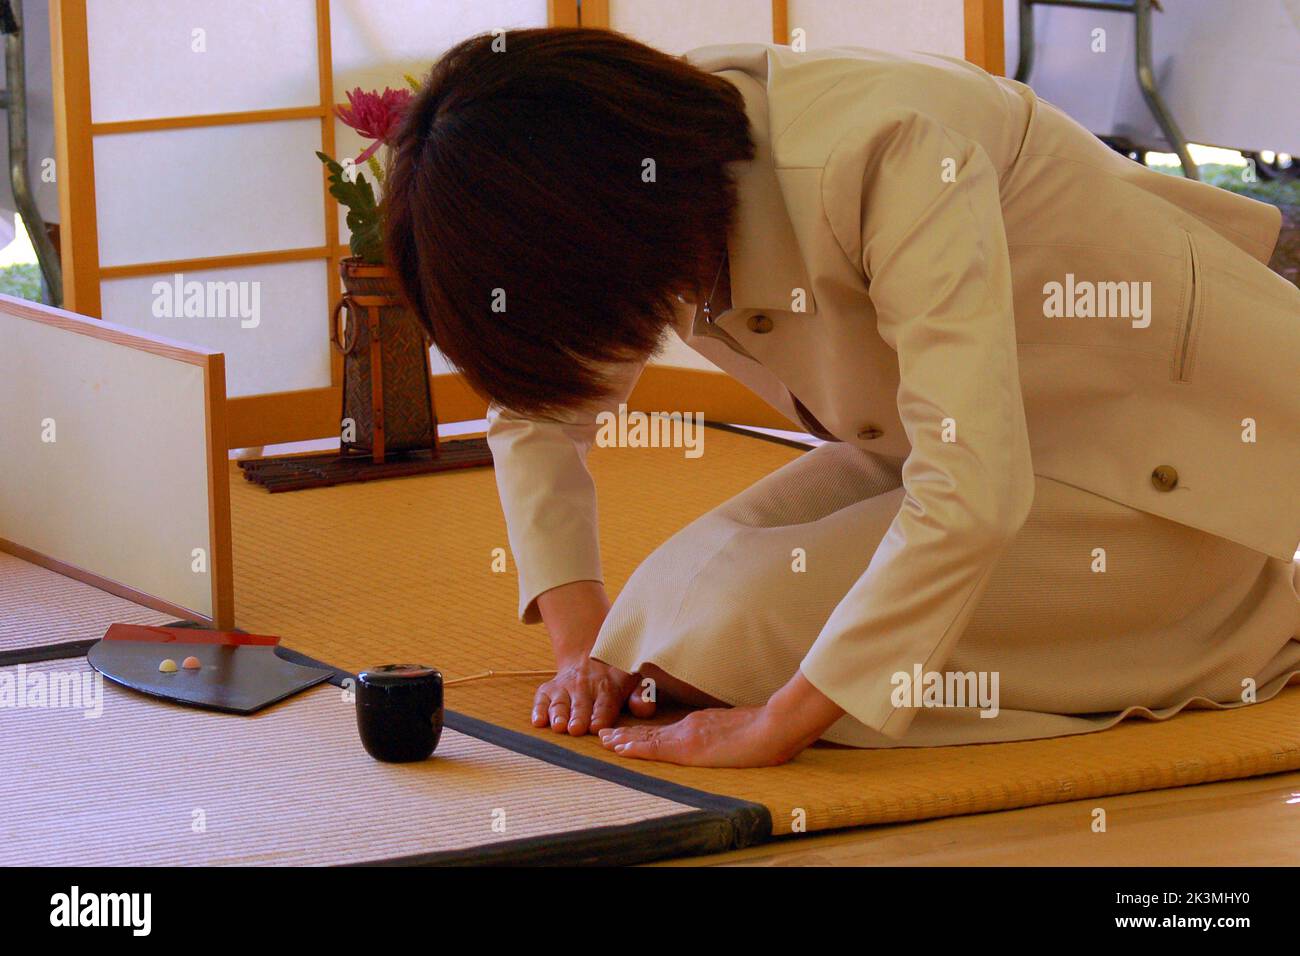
(929, 235)
(547, 492)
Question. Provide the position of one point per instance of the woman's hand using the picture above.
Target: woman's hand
(586, 696)
(764, 736)
(734, 737)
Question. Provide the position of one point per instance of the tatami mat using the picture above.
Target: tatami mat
(403, 570)
(39, 607)
(147, 782)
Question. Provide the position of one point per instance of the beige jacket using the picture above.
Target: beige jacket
(900, 230)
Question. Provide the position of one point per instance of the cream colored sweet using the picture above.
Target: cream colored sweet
(168, 666)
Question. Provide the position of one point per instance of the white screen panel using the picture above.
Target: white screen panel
(272, 325)
(208, 191)
(676, 26)
(375, 41)
(123, 489)
(157, 58)
(931, 26)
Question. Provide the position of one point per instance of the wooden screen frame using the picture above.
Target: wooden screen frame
(275, 417)
(985, 35)
(220, 557)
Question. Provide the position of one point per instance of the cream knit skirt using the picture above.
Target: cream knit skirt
(1178, 617)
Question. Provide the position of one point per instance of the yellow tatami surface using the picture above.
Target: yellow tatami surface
(1251, 822)
(418, 569)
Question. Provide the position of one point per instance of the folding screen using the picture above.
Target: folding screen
(114, 469)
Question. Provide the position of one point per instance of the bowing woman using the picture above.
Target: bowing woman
(1060, 483)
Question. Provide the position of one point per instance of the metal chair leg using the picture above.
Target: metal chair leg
(14, 101)
(1025, 63)
(1146, 77)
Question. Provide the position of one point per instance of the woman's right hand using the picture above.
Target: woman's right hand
(585, 695)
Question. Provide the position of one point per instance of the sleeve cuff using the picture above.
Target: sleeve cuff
(531, 586)
(868, 703)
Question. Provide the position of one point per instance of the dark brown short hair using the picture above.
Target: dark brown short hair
(518, 180)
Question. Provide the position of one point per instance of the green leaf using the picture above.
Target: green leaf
(364, 218)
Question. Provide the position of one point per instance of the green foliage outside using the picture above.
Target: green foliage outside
(22, 280)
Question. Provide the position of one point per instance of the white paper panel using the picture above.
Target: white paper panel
(932, 26)
(274, 335)
(676, 26)
(208, 191)
(376, 41)
(146, 61)
(123, 490)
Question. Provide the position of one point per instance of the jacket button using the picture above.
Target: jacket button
(760, 324)
(1165, 478)
(869, 433)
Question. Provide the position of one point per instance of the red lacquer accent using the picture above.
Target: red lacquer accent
(183, 635)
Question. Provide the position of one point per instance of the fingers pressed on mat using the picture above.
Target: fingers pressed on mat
(559, 711)
(605, 713)
(580, 714)
(541, 709)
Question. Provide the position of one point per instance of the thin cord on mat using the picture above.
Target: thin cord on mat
(486, 674)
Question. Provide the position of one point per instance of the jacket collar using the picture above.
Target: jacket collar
(765, 261)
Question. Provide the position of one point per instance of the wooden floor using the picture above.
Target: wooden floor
(1253, 822)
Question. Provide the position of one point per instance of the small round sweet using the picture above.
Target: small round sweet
(191, 663)
(168, 666)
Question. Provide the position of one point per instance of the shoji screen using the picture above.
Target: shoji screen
(187, 165)
(676, 26)
(205, 116)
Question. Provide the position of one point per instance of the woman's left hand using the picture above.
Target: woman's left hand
(734, 737)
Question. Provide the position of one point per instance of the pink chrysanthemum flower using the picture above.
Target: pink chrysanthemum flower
(374, 115)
